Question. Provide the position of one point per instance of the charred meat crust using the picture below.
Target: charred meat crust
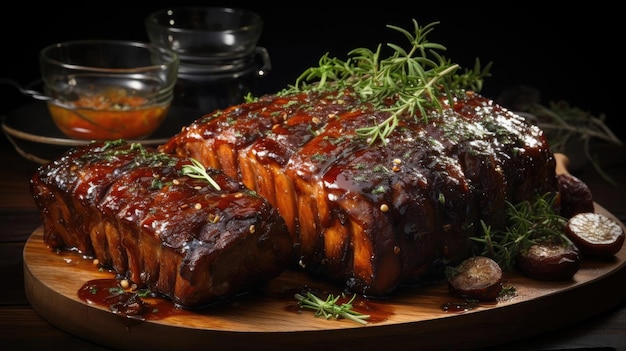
(133, 209)
(373, 217)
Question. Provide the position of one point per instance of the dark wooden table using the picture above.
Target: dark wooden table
(22, 327)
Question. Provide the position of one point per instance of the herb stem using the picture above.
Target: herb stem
(329, 308)
(403, 84)
(528, 223)
(198, 171)
(563, 123)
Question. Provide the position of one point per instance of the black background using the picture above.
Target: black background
(568, 53)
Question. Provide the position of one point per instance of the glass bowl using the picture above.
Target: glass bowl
(108, 89)
(206, 34)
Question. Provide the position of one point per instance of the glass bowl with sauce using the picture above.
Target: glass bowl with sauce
(108, 89)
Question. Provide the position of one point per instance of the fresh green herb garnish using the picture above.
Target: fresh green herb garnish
(119, 290)
(528, 224)
(141, 156)
(508, 291)
(198, 171)
(565, 125)
(403, 84)
(329, 308)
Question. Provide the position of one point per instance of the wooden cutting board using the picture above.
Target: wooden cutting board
(269, 318)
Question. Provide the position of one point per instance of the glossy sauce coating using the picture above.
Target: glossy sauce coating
(136, 211)
(370, 216)
(109, 115)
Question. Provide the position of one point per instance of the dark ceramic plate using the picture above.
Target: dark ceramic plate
(33, 133)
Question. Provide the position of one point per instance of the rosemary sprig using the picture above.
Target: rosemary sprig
(564, 124)
(198, 171)
(528, 224)
(562, 121)
(404, 84)
(329, 308)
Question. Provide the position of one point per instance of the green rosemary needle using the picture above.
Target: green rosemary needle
(198, 171)
(566, 125)
(529, 223)
(406, 84)
(329, 308)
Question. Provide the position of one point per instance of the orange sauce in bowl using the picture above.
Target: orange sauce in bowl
(108, 116)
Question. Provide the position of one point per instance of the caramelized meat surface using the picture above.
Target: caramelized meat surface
(138, 213)
(373, 216)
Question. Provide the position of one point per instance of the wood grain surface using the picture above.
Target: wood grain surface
(269, 318)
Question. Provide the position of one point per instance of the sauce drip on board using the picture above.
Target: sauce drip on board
(141, 305)
(109, 294)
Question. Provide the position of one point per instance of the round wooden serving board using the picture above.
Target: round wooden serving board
(270, 319)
